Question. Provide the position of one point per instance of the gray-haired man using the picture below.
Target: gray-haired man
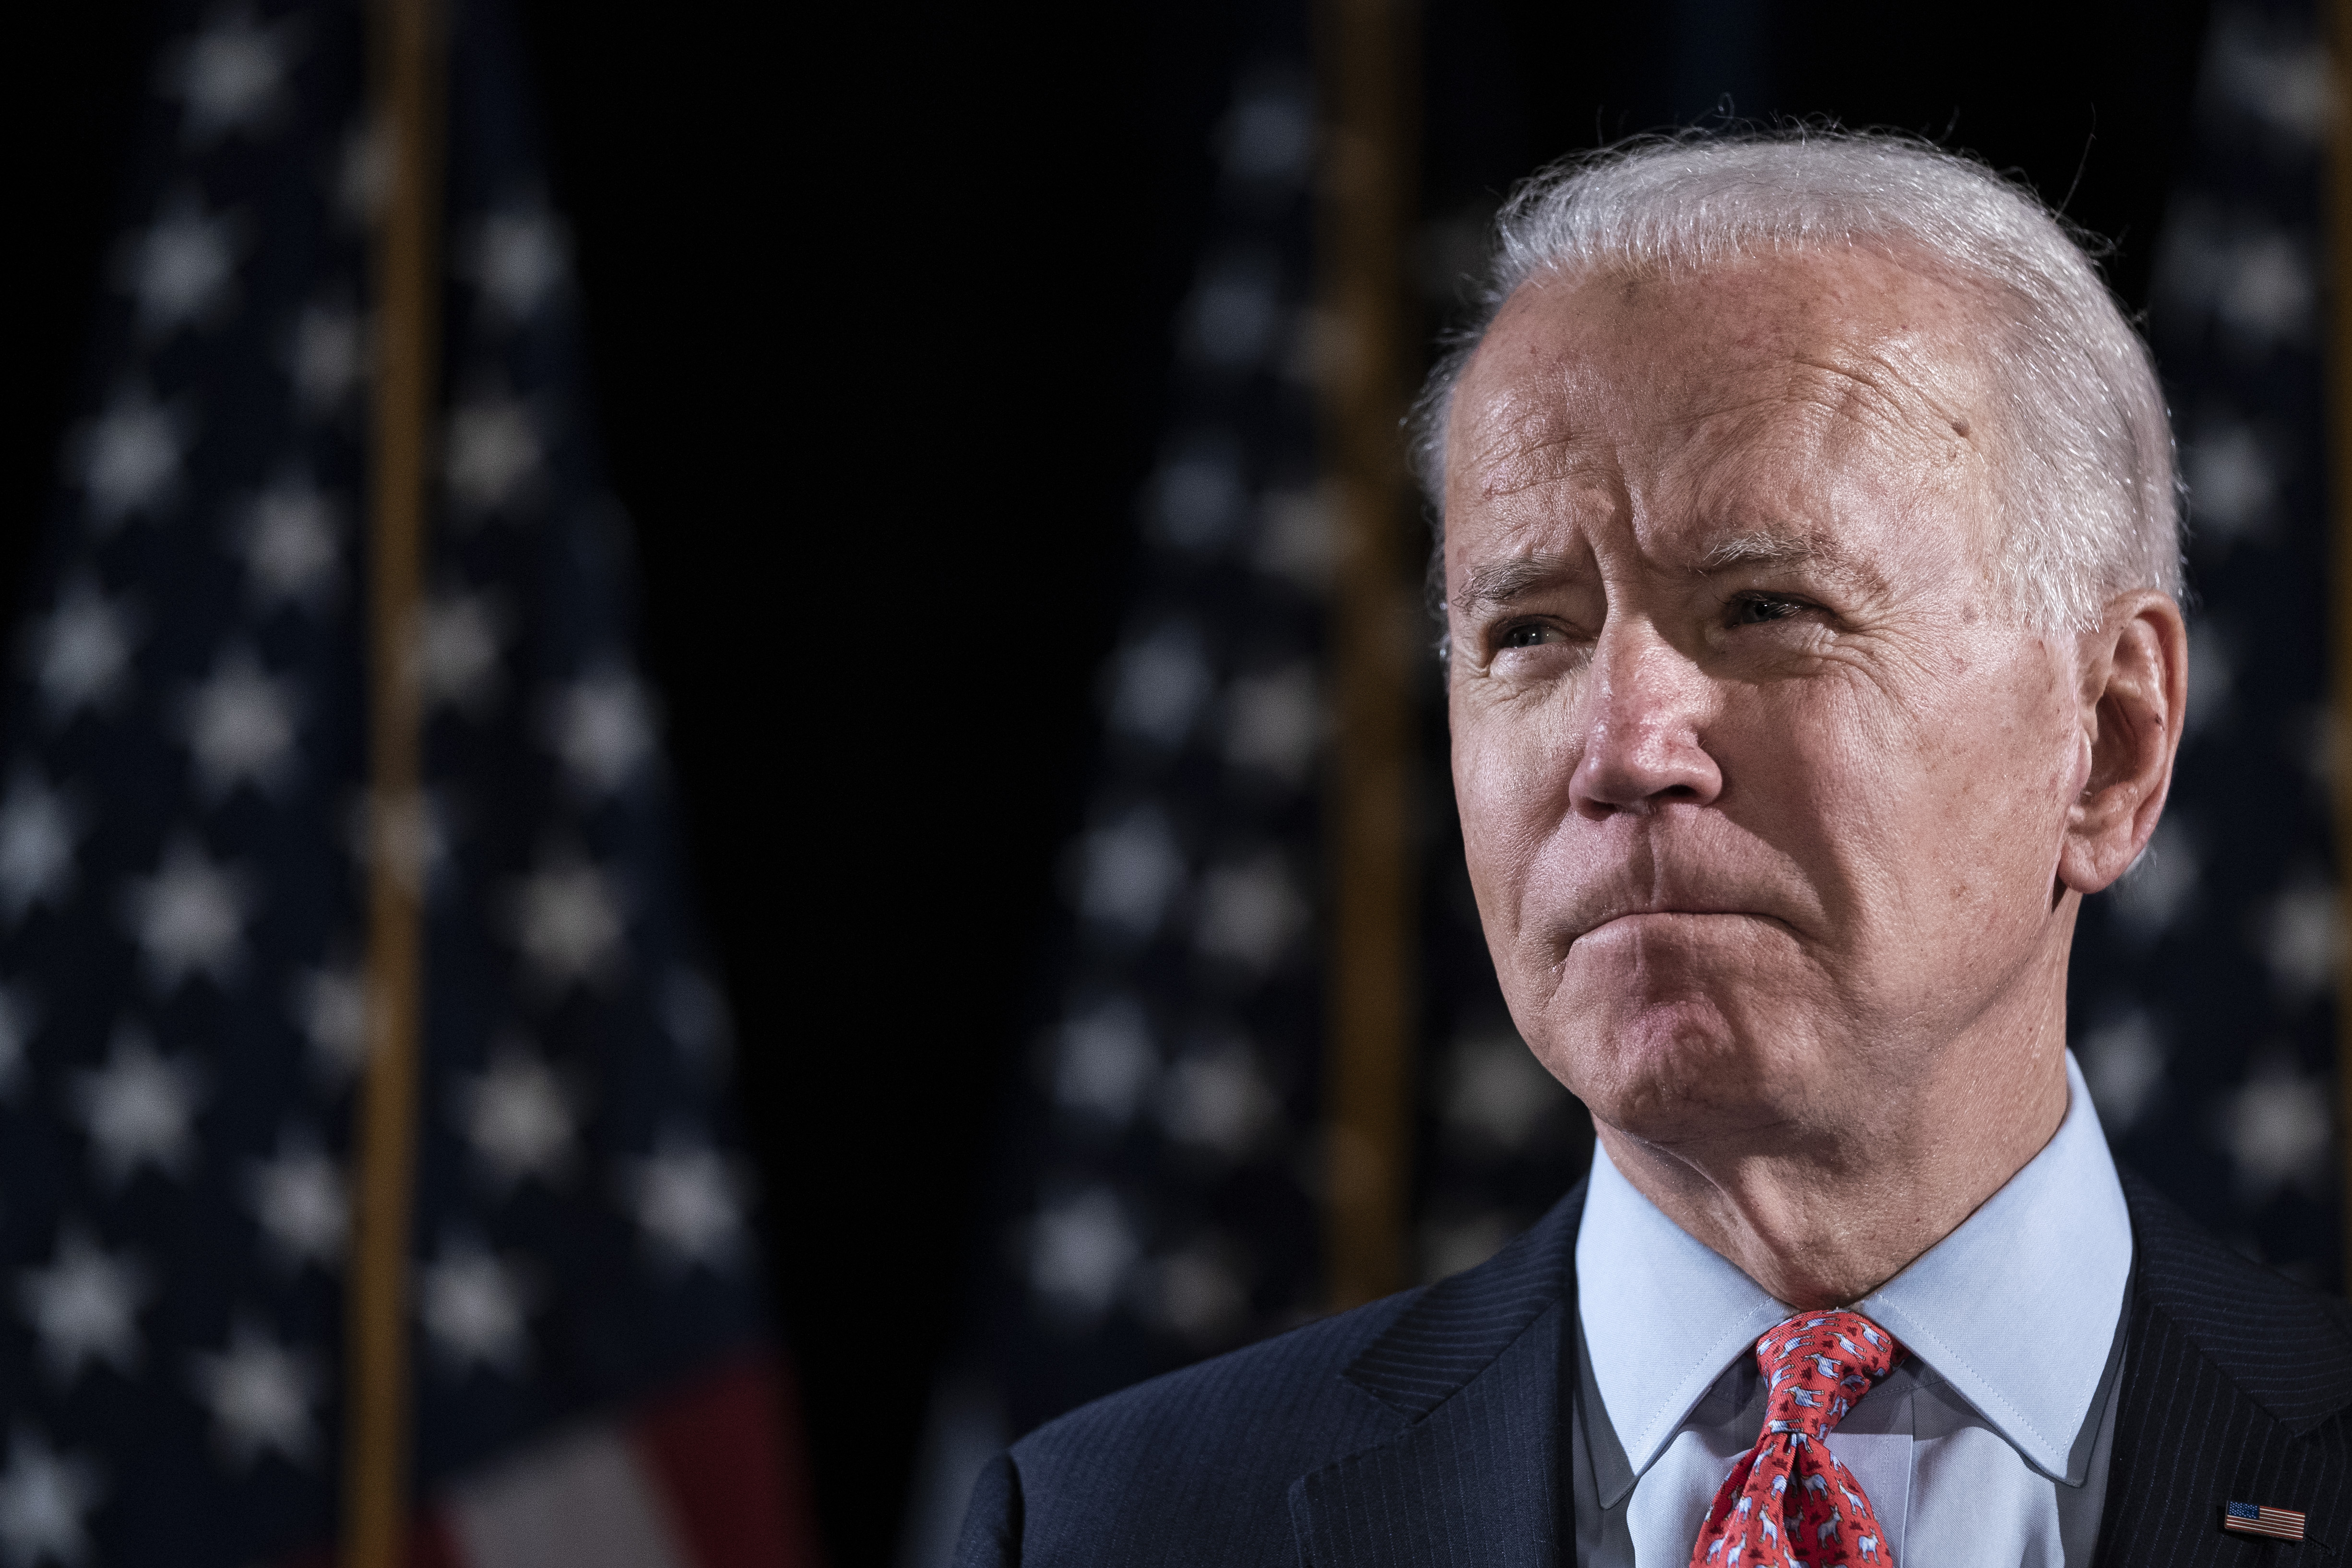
(1811, 566)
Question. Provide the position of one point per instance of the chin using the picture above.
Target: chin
(1666, 1069)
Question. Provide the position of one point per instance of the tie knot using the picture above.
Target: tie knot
(1817, 1365)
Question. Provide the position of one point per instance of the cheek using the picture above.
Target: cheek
(1966, 802)
(1510, 781)
(2004, 823)
(1880, 802)
(2006, 753)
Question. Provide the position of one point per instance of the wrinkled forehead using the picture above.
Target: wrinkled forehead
(1855, 357)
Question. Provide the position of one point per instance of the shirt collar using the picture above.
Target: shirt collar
(2049, 1253)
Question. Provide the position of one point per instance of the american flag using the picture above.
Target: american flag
(2202, 996)
(2252, 1519)
(182, 1019)
(1157, 1205)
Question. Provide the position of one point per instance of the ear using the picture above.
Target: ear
(2134, 691)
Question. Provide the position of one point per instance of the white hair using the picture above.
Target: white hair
(2087, 484)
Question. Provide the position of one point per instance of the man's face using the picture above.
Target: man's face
(1763, 782)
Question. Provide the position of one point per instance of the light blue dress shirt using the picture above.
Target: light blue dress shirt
(1989, 1445)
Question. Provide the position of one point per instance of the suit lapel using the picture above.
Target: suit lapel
(2235, 1382)
(1473, 1371)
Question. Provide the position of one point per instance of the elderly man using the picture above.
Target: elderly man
(1811, 578)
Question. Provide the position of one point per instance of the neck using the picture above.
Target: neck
(1823, 1219)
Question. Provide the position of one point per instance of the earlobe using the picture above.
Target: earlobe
(2135, 683)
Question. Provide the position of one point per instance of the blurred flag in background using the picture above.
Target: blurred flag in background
(183, 878)
(1164, 1201)
(2204, 1002)
(1158, 1174)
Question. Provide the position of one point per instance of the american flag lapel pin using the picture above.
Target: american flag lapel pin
(2252, 1519)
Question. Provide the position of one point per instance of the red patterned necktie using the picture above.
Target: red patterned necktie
(1789, 1499)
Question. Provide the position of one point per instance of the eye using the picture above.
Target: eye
(1525, 634)
(1755, 609)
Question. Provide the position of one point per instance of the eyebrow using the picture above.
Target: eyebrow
(1825, 552)
(1762, 550)
(1502, 582)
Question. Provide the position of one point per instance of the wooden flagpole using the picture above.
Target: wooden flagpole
(1363, 203)
(2338, 200)
(406, 46)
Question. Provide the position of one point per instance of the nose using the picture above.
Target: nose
(1642, 746)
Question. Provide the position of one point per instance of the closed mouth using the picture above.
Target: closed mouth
(1623, 916)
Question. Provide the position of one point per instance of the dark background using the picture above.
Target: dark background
(878, 316)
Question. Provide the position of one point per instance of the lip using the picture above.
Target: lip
(1628, 917)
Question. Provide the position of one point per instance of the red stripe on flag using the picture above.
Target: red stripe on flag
(2279, 1524)
(430, 1545)
(725, 1449)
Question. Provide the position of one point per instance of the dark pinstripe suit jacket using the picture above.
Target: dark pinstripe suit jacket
(1431, 1429)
